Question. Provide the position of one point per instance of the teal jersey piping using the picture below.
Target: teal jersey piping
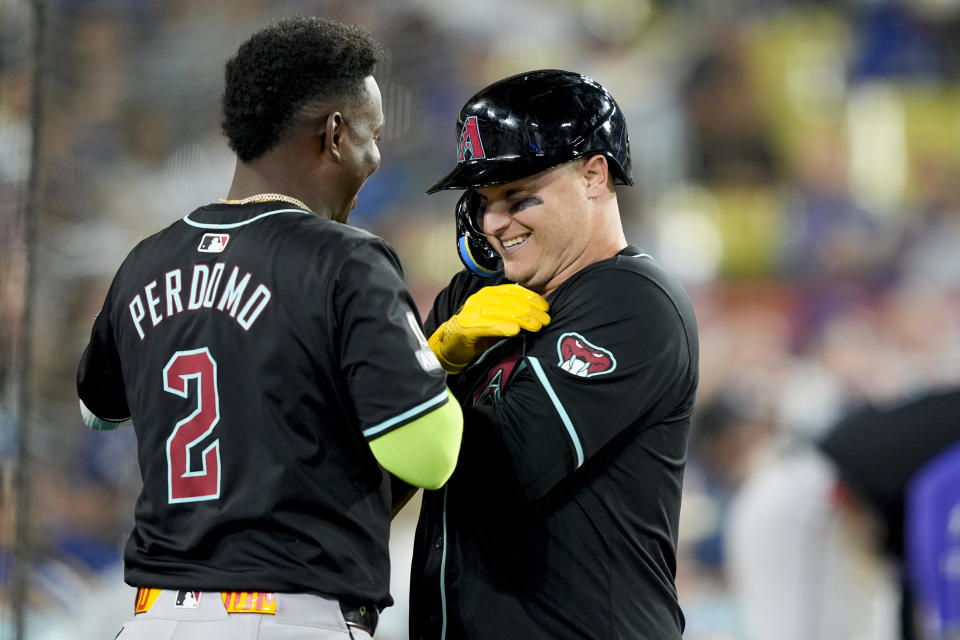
(538, 369)
(436, 401)
(234, 225)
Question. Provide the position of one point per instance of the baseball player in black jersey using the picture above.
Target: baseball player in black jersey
(270, 356)
(560, 520)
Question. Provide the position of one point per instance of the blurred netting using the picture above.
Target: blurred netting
(797, 164)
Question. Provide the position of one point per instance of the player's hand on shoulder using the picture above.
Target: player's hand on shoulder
(503, 310)
(492, 312)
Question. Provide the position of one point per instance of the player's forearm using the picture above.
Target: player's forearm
(504, 463)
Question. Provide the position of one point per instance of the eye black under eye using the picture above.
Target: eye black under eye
(522, 204)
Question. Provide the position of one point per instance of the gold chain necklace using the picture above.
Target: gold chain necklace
(267, 197)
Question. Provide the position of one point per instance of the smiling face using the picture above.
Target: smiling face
(360, 153)
(548, 226)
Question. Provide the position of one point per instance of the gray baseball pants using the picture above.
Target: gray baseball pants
(297, 617)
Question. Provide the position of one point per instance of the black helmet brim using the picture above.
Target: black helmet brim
(476, 175)
(487, 173)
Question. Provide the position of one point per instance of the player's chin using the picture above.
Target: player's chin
(523, 277)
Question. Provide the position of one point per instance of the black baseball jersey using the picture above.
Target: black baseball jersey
(258, 349)
(561, 518)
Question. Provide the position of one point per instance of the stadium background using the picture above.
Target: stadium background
(796, 164)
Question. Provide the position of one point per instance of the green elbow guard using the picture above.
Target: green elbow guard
(423, 452)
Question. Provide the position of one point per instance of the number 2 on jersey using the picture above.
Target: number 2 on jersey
(184, 484)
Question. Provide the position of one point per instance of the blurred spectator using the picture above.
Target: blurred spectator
(929, 255)
(817, 537)
(730, 435)
(829, 235)
(913, 40)
(730, 140)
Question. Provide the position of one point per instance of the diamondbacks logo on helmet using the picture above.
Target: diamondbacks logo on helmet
(582, 358)
(470, 141)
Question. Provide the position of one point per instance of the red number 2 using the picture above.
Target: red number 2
(184, 484)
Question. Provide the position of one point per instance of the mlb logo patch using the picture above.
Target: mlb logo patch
(187, 599)
(213, 242)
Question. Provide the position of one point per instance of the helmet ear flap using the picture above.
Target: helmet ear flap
(475, 252)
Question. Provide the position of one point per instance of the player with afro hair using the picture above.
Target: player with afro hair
(292, 63)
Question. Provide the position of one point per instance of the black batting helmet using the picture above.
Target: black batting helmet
(523, 125)
(533, 121)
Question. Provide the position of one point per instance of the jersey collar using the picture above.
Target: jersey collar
(231, 216)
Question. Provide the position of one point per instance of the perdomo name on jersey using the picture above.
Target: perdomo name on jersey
(204, 292)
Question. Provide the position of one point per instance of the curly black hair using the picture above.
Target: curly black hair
(288, 64)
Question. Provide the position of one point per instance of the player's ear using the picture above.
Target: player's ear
(596, 174)
(331, 134)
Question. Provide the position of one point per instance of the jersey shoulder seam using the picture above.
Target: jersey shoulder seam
(617, 265)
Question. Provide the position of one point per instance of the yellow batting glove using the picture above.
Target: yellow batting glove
(492, 312)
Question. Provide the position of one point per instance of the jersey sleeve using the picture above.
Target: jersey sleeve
(392, 375)
(619, 356)
(100, 387)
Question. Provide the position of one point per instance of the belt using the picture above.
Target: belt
(361, 616)
(364, 617)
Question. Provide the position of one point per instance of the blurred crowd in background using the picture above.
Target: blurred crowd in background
(797, 164)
